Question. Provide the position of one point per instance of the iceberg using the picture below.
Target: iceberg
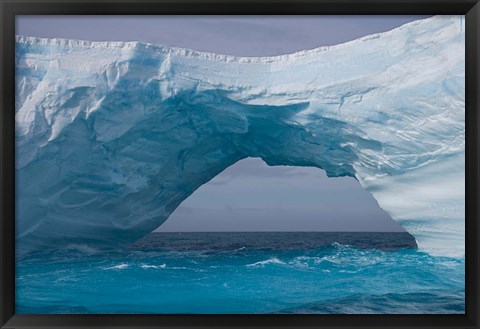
(112, 136)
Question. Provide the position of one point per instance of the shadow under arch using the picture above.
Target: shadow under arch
(122, 187)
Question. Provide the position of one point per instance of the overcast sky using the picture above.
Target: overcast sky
(233, 35)
(249, 196)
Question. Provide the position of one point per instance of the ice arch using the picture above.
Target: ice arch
(112, 136)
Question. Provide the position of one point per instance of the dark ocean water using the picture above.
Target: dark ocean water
(258, 272)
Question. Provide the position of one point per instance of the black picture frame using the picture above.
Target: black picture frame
(10, 8)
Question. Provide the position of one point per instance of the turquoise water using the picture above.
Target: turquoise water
(244, 273)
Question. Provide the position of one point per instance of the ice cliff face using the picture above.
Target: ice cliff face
(113, 136)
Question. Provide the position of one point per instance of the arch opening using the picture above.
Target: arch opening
(250, 196)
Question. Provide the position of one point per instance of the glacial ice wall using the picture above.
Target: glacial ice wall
(113, 136)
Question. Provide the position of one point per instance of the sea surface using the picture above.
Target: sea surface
(293, 272)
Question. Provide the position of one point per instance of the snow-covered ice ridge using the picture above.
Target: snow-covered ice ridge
(113, 136)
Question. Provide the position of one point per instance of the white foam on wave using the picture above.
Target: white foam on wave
(146, 266)
(273, 260)
(118, 267)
